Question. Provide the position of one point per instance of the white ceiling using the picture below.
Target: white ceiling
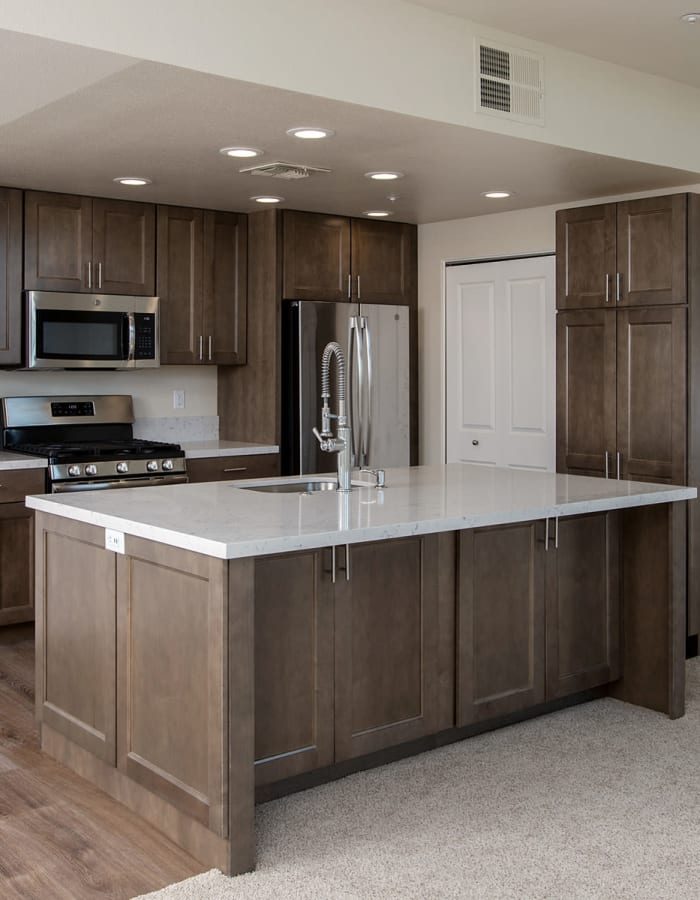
(640, 34)
(73, 119)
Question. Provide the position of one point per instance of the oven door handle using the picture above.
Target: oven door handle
(131, 347)
(68, 487)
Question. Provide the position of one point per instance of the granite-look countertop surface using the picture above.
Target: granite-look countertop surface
(204, 449)
(20, 461)
(223, 519)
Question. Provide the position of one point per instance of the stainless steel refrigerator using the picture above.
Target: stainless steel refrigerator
(375, 340)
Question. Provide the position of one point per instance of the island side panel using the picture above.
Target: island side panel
(75, 640)
(654, 610)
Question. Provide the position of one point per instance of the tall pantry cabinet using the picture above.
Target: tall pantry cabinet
(628, 348)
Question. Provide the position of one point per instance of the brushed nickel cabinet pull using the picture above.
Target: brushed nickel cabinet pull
(546, 534)
(347, 562)
(99, 275)
(209, 348)
(359, 295)
(237, 469)
(349, 286)
(619, 464)
(618, 286)
(201, 347)
(556, 533)
(89, 265)
(607, 287)
(607, 460)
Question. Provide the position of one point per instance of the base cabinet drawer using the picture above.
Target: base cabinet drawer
(231, 468)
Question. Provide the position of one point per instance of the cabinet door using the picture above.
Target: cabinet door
(651, 394)
(16, 564)
(229, 468)
(179, 285)
(384, 262)
(123, 247)
(386, 645)
(293, 664)
(500, 632)
(651, 250)
(586, 415)
(586, 261)
(58, 242)
(316, 256)
(583, 604)
(10, 276)
(225, 287)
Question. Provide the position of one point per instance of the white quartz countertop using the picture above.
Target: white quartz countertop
(20, 461)
(224, 520)
(204, 449)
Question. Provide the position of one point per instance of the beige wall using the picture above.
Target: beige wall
(152, 391)
(386, 54)
(502, 234)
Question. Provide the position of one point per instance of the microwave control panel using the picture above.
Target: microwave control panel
(145, 347)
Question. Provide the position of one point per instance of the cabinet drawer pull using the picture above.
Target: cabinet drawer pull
(237, 469)
(556, 533)
(619, 464)
(546, 534)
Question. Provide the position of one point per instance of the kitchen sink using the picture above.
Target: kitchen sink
(310, 486)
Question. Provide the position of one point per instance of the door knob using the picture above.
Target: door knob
(475, 443)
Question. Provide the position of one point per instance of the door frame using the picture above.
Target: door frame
(467, 261)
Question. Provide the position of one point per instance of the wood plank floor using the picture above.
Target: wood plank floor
(60, 837)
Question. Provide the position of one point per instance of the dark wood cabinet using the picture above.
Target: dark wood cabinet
(582, 589)
(586, 391)
(230, 468)
(10, 276)
(201, 280)
(82, 244)
(17, 544)
(500, 614)
(623, 254)
(335, 258)
(293, 664)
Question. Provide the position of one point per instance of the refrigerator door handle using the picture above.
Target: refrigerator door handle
(356, 380)
(367, 418)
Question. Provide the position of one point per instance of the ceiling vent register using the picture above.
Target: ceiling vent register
(509, 83)
(288, 171)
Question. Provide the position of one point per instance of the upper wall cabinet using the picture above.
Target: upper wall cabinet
(10, 276)
(336, 258)
(622, 254)
(202, 283)
(88, 245)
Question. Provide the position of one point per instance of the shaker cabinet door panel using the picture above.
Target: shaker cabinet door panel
(586, 262)
(316, 260)
(124, 244)
(58, 243)
(651, 250)
(225, 287)
(586, 396)
(383, 262)
(10, 276)
(651, 394)
(16, 563)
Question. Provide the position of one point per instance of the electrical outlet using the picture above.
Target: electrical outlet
(178, 399)
(114, 540)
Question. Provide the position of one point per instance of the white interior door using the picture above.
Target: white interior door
(500, 363)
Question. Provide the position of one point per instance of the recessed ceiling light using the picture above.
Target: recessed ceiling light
(310, 134)
(497, 195)
(384, 176)
(691, 18)
(133, 180)
(377, 213)
(241, 152)
(268, 198)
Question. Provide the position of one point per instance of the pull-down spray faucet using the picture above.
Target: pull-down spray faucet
(342, 442)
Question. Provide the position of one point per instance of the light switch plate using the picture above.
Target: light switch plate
(114, 540)
(178, 399)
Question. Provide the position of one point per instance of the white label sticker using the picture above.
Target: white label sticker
(114, 540)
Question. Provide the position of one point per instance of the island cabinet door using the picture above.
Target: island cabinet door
(387, 644)
(293, 664)
(171, 665)
(500, 612)
(76, 603)
(583, 603)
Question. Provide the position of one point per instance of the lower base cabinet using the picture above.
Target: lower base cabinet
(17, 544)
(347, 653)
(538, 613)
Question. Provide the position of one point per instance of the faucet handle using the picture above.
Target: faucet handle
(319, 437)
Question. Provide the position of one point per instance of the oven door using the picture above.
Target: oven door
(68, 487)
(95, 331)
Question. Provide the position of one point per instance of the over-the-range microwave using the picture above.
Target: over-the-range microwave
(90, 331)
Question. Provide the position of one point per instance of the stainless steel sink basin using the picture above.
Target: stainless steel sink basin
(310, 486)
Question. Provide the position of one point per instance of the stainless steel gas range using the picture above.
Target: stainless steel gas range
(88, 442)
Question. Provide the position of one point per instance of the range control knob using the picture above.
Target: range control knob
(122, 467)
(91, 469)
(152, 465)
(74, 471)
(167, 465)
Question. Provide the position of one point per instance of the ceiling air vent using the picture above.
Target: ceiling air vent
(509, 83)
(288, 171)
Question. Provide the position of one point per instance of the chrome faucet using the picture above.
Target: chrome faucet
(342, 442)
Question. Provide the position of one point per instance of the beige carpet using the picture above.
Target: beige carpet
(599, 801)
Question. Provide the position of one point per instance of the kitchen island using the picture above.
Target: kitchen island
(242, 639)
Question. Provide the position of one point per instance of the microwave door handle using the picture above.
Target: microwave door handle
(132, 337)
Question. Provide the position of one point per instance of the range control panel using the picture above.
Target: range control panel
(71, 408)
